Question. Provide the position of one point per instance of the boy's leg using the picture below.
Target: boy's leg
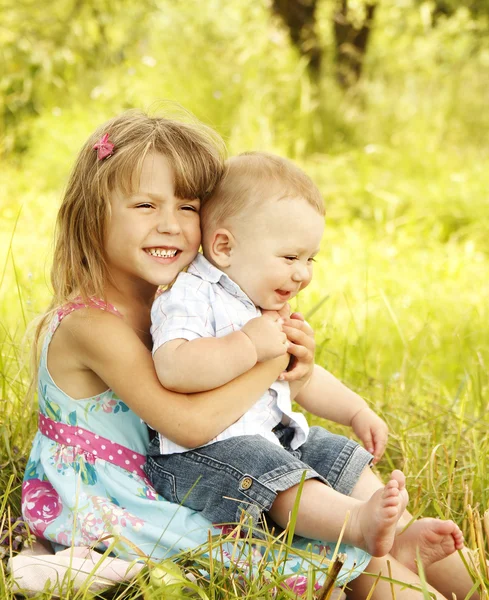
(434, 539)
(343, 463)
(253, 475)
(322, 512)
(339, 461)
(225, 479)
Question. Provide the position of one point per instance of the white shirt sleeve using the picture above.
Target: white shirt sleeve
(183, 312)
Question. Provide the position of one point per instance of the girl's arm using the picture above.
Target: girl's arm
(206, 363)
(106, 345)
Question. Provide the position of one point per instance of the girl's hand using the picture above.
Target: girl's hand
(372, 431)
(301, 347)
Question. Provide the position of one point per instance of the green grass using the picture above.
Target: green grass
(402, 320)
(399, 297)
(402, 283)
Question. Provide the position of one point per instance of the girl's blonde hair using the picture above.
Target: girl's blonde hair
(196, 155)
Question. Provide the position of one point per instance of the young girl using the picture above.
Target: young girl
(128, 223)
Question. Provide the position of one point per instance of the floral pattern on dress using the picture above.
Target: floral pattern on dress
(63, 534)
(149, 493)
(52, 409)
(298, 584)
(108, 404)
(68, 460)
(115, 519)
(322, 549)
(62, 459)
(84, 466)
(31, 471)
(41, 504)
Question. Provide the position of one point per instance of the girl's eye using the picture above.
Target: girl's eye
(144, 205)
(290, 258)
(190, 207)
(312, 260)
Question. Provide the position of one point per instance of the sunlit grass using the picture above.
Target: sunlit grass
(401, 283)
(399, 298)
(403, 323)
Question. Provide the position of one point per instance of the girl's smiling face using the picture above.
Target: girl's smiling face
(151, 235)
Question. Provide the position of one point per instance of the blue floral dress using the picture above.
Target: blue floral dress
(85, 485)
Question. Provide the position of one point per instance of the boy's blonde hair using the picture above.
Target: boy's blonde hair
(196, 154)
(252, 178)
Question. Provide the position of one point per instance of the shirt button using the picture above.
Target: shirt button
(246, 483)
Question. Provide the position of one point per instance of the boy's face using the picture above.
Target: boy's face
(272, 259)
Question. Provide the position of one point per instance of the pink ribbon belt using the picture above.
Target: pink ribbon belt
(92, 444)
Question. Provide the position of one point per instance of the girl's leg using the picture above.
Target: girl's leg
(435, 540)
(360, 587)
(371, 525)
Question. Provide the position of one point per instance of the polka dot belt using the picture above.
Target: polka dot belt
(93, 445)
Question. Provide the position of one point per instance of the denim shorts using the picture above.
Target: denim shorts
(245, 473)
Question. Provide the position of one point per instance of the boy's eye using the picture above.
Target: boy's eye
(144, 205)
(190, 207)
(290, 257)
(312, 259)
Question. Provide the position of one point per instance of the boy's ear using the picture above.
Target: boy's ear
(221, 247)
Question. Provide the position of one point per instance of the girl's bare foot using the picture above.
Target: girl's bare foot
(373, 524)
(432, 538)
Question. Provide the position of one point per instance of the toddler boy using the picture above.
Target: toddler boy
(262, 228)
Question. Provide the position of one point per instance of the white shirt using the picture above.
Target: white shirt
(205, 302)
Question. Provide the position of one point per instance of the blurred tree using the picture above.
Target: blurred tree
(352, 27)
(448, 8)
(49, 51)
(300, 18)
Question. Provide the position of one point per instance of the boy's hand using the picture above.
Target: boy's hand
(267, 336)
(372, 431)
(301, 347)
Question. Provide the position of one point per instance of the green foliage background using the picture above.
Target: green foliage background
(399, 299)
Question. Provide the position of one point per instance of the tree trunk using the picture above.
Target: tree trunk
(300, 18)
(351, 42)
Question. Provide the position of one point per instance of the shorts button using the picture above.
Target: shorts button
(246, 483)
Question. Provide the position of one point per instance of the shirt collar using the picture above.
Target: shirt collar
(202, 268)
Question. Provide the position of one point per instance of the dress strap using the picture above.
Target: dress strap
(76, 304)
(79, 303)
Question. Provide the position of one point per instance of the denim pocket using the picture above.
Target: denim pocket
(163, 481)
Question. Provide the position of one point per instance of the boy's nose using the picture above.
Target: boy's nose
(301, 273)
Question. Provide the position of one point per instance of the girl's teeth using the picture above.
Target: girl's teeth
(161, 253)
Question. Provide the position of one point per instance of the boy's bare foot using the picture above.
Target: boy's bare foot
(434, 539)
(374, 522)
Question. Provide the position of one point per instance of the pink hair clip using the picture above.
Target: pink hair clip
(103, 147)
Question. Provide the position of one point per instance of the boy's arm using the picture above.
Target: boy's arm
(326, 397)
(205, 363)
